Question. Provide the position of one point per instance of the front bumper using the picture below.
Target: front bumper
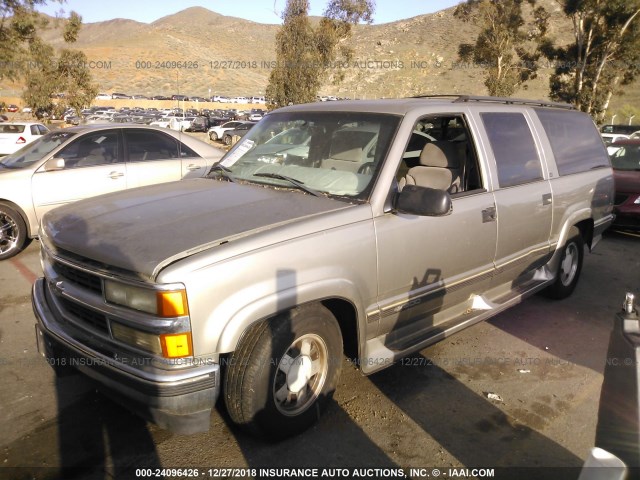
(181, 404)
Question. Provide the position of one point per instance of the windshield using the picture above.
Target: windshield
(333, 153)
(36, 150)
(627, 157)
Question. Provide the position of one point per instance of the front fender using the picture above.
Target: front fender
(284, 300)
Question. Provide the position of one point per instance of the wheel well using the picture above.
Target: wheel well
(345, 314)
(25, 219)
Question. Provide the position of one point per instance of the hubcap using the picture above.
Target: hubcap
(569, 264)
(301, 374)
(8, 233)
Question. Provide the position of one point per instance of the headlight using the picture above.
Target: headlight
(143, 340)
(163, 303)
(169, 345)
(637, 201)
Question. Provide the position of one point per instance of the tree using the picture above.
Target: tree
(604, 54)
(507, 46)
(25, 56)
(65, 72)
(19, 24)
(304, 53)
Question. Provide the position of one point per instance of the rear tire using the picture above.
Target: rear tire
(13, 232)
(284, 372)
(570, 266)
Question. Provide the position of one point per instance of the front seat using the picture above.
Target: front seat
(439, 168)
(96, 156)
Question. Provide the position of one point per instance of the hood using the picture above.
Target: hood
(143, 229)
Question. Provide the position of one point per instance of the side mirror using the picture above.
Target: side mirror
(426, 202)
(54, 164)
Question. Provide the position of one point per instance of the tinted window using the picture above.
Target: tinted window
(626, 157)
(42, 129)
(144, 146)
(34, 130)
(187, 152)
(11, 128)
(513, 148)
(575, 142)
(99, 148)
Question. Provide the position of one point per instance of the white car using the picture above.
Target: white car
(611, 138)
(216, 133)
(15, 135)
(103, 96)
(635, 135)
(80, 162)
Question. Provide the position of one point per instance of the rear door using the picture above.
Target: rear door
(152, 157)
(524, 203)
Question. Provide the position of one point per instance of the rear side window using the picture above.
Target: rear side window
(145, 146)
(513, 148)
(575, 141)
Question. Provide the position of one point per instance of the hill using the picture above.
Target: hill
(197, 52)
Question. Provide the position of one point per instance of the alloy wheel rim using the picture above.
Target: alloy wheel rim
(301, 374)
(8, 233)
(569, 264)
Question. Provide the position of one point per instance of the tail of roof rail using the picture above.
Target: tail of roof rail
(457, 98)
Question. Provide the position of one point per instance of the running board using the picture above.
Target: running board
(380, 352)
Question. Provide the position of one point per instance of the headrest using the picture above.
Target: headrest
(439, 154)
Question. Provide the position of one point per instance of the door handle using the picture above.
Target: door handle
(489, 214)
(193, 167)
(546, 199)
(115, 175)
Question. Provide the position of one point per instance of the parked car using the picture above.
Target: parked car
(239, 131)
(15, 135)
(79, 162)
(251, 284)
(216, 133)
(618, 128)
(626, 170)
(12, 108)
(198, 124)
(103, 96)
(610, 139)
(27, 110)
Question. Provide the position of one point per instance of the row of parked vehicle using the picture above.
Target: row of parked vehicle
(190, 120)
(182, 98)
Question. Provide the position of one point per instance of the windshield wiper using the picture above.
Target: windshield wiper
(293, 181)
(222, 170)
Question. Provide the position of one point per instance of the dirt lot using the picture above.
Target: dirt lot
(544, 359)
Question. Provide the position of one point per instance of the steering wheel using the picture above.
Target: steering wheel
(366, 168)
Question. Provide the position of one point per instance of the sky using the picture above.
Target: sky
(261, 11)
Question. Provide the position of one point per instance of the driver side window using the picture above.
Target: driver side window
(440, 154)
(94, 149)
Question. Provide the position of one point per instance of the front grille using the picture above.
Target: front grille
(620, 198)
(86, 316)
(79, 277)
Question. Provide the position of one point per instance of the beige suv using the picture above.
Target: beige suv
(371, 228)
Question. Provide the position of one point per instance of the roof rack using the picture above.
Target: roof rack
(457, 98)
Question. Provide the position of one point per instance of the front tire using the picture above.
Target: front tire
(284, 372)
(213, 136)
(570, 267)
(13, 232)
